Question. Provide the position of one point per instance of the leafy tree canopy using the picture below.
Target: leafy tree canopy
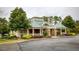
(45, 18)
(69, 22)
(57, 18)
(77, 26)
(18, 19)
(4, 28)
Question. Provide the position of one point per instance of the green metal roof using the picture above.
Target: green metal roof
(36, 23)
(40, 24)
(58, 26)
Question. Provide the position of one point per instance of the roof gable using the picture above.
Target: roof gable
(39, 22)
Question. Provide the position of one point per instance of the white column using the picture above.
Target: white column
(48, 32)
(65, 31)
(61, 31)
(27, 31)
(40, 32)
(33, 31)
(55, 32)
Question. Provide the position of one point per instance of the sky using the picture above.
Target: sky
(43, 11)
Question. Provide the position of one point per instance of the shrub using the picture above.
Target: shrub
(6, 36)
(12, 36)
(45, 33)
(27, 36)
(72, 34)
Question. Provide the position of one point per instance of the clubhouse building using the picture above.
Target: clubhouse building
(39, 25)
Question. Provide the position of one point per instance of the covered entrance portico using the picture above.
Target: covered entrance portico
(52, 30)
(56, 32)
(35, 32)
(38, 32)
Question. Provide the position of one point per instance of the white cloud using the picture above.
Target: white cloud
(44, 11)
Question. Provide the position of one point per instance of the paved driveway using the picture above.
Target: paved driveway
(45, 44)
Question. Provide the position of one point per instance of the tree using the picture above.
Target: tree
(45, 18)
(77, 26)
(4, 28)
(56, 18)
(18, 20)
(69, 23)
(51, 19)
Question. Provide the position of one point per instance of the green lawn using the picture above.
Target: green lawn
(3, 41)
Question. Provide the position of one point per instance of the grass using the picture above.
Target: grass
(3, 41)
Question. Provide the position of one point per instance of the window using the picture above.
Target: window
(37, 30)
(63, 30)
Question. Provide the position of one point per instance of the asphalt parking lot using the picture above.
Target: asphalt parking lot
(45, 44)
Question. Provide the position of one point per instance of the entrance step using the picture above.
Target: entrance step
(54, 37)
